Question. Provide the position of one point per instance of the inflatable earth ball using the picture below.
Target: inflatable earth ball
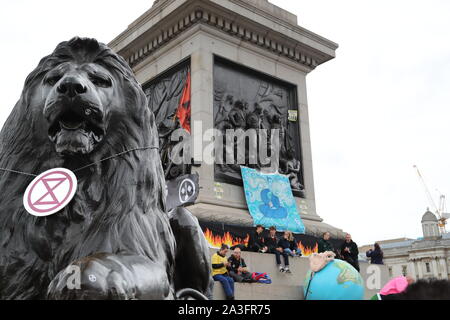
(338, 280)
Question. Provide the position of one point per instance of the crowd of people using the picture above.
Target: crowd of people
(228, 270)
(234, 269)
(348, 251)
(284, 247)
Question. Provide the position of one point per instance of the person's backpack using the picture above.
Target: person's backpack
(261, 277)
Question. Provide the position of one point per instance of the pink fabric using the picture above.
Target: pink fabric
(396, 285)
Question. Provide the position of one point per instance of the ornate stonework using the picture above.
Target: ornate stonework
(243, 30)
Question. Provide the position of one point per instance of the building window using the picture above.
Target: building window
(404, 270)
(427, 266)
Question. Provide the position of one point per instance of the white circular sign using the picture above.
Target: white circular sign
(187, 190)
(49, 192)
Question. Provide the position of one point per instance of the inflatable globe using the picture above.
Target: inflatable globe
(338, 280)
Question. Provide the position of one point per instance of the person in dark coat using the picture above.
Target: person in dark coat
(271, 241)
(375, 255)
(238, 268)
(256, 240)
(283, 244)
(293, 250)
(324, 244)
(349, 251)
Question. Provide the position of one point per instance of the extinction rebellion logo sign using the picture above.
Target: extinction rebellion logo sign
(187, 190)
(49, 192)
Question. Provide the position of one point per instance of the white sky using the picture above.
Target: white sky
(381, 106)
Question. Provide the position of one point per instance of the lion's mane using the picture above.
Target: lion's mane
(119, 203)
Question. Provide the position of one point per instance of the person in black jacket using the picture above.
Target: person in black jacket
(283, 243)
(271, 241)
(293, 250)
(349, 251)
(256, 240)
(324, 244)
(238, 268)
(376, 255)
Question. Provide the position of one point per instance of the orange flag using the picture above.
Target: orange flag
(184, 108)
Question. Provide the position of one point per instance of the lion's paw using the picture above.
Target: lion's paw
(93, 280)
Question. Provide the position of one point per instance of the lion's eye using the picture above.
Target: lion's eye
(100, 81)
(52, 80)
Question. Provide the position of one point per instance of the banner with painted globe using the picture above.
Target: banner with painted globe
(270, 201)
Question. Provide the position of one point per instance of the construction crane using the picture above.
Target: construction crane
(443, 212)
(439, 211)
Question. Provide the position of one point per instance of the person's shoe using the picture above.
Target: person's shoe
(286, 269)
(280, 268)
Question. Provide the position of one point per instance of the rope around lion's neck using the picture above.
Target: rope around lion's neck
(86, 166)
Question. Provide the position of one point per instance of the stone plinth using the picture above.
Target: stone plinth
(255, 34)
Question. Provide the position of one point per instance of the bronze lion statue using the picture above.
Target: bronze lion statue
(114, 240)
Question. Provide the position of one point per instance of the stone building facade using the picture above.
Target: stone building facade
(427, 257)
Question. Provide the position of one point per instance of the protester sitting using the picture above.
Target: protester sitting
(220, 272)
(256, 240)
(272, 241)
(324, 244)
(376, 255)
(349, 251)
(237, 268)
(283, 244)
(293, 249)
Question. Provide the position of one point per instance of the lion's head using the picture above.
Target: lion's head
(79, 95)
(82, 90)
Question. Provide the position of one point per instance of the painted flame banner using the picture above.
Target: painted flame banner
(215, 241)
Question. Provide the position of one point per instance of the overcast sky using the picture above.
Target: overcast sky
(376, 110)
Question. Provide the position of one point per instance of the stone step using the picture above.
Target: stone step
(287, 286)
(259, 291)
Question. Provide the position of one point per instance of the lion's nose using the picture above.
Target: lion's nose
(71, 86)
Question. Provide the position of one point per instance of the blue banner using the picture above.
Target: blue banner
(270, 201)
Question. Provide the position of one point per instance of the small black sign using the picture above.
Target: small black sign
(182, 191)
